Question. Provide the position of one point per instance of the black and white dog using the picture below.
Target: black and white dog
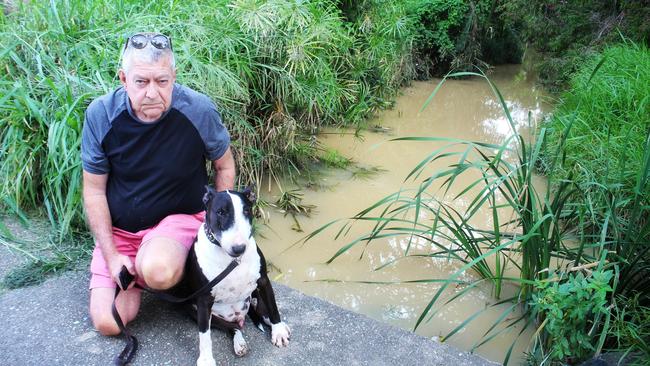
(225, 235)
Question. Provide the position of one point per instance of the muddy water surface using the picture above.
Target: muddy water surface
(463, 109)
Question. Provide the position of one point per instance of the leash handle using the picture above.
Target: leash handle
(125, 278)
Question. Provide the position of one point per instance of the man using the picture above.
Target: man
(144, 150)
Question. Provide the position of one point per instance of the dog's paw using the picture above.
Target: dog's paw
(239, 344)
(280, 334)
(206, 361)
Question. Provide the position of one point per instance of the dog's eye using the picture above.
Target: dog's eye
(221, 212)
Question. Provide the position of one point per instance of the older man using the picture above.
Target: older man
(144, 150)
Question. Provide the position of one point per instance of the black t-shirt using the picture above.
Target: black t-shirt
(154, 169)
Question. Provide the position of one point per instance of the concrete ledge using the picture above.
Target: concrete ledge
(49, 325)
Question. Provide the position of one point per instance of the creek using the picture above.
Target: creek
(463, 109)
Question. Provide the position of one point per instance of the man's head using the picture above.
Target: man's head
(148, 74)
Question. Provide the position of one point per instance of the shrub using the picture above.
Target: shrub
(571, 311)
(459, 35)
(607, 116)
(568, 32)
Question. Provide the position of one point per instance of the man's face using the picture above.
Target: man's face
(149, 87)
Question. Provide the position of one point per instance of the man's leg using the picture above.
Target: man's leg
(102, 289)
(160, 262)
(101, 308)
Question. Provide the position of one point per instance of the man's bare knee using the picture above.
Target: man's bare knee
(101, 303)
(105, 325)
(160, 262)
(159, 276)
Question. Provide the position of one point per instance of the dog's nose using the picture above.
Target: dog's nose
(238, 249)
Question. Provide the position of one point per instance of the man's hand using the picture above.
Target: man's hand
(115, 264)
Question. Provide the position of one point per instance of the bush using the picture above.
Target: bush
(607, 117)
(459, 35)
(571, 311)
(567, 32)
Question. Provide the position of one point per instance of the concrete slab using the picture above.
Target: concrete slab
(48, 325)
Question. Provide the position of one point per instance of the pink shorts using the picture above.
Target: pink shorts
(180, 227)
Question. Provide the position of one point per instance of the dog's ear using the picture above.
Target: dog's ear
(250, 195)
(209, 193)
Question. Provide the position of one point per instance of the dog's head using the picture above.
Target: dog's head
(229, 219)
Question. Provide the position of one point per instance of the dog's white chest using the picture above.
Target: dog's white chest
(238, 285)
(232, 294)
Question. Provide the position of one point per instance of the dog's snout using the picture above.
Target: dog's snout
(238, 249)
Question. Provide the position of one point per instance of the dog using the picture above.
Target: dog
(227, 235)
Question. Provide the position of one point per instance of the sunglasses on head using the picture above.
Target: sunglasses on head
(140, 41)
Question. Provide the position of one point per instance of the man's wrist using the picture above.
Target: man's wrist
(109, 252)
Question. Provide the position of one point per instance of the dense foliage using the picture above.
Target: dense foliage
(567, 32)
(601, 129)
(606, 116)
(460, 35)
(569, 308)
(278, 70)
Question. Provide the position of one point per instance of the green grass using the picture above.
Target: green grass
(630, 331)
(332, 158)
(609, 115)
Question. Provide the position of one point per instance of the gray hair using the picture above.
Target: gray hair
(149, 54)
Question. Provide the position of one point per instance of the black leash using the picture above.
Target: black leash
(125, 279)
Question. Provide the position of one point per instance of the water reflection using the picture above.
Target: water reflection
(497, 125)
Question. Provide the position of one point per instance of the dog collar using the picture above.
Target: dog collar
(210, 236)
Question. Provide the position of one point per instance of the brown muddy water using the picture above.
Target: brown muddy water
(463, 109)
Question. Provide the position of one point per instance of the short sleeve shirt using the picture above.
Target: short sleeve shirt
(154, 168)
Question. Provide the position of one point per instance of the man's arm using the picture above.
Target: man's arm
(99, 220)
(225, 171)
